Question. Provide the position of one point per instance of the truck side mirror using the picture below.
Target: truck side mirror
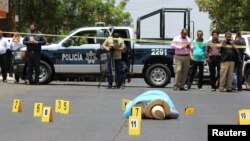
(67, 43)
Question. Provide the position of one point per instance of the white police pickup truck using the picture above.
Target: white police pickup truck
(246, 66)
(83, 57)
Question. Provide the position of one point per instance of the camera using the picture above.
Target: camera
(112, 48)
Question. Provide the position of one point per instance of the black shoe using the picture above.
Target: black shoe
(31, 83)
(109, 87)
(4, 81)
(230, 90)
(182, 89)
(16, 81)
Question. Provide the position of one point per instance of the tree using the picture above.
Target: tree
(56, 16)
(232, 15)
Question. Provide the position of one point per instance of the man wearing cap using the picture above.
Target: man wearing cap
(155, 104)
(115, 46)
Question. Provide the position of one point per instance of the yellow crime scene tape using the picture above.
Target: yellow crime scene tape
(125, 39)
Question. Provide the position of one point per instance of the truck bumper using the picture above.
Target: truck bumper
(18, 69)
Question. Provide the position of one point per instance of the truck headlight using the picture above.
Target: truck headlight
(19, 55)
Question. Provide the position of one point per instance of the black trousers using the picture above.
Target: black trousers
(8, 61)
(214, 69)
(239, 66)
(193, 71)
(33, 64)
(3, 66)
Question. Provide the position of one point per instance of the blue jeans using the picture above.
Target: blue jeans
(234, 84)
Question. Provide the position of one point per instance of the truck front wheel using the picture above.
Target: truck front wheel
(45, 76)
(45, 73)
(157, 75)
(247, 78)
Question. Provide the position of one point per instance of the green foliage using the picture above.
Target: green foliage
(57, 16)
(227, 15)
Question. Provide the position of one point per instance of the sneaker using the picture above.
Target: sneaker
(221, 90)
(213, 89)
(200, 89)
(175, 88)
(5, 81)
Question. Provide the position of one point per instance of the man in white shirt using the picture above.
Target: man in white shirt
(3, 48)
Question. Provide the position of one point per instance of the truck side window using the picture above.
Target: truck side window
(84, 37)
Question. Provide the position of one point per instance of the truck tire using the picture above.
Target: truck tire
(45, 76)
(157, 75)
(247, 78)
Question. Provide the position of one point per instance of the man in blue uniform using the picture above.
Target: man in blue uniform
(34, 40)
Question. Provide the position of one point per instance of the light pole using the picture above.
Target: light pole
(193, 28)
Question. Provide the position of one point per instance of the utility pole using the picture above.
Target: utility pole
(17, 15)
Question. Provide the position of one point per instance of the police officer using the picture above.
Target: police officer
(34, 40)
(115, 46)
(3, 48)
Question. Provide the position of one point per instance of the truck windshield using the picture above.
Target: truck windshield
(59, 38)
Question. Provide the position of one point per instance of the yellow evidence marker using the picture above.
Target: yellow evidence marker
(58, 106)
(65, 107)
(189, 110)
(136, 112)
(244, 117)
(47, 114)
(124, 103)
(38, 109)
(134, 126)
(17, 106)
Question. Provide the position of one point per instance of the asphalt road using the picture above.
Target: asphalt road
(96, 115)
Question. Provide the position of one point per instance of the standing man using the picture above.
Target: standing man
(181, 44)
(228, 54)
(213, 57)
(34, 40)
(3, 48)
(198, 56)
(115, 46)
(240, 45)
